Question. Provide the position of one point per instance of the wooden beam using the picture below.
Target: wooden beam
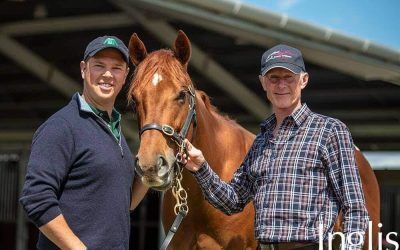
(324, 54)
(66, 24)
(38, 66)
(45, 71)
(16, 135)
(203, 63)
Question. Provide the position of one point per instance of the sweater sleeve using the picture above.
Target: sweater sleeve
(48, 167)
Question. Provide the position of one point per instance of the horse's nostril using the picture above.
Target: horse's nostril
(137, 161)
(162, 166)
(137, 167)
(161, 161)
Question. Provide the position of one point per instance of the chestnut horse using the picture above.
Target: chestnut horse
(161, 90)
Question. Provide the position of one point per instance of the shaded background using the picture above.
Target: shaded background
(42, 43)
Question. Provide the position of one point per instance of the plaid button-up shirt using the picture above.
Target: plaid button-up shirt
(298, 180)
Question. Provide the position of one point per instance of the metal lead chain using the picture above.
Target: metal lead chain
(179, 155)
(180, 194)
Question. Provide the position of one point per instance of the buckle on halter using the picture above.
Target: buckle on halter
(191, 90)
(168, 130)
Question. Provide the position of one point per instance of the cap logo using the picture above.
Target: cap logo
(279, 54)
(110, 41)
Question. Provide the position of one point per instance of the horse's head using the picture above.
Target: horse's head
(164, 96)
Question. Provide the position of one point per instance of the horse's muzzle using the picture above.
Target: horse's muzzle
(158, 176)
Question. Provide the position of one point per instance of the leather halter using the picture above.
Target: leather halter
(170, 131)
(181, 208)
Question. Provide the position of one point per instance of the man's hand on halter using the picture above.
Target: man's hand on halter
(194, 160)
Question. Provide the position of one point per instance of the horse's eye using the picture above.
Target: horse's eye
(181, 97)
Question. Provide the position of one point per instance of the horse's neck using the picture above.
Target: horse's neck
(221, 141)
(207, 128)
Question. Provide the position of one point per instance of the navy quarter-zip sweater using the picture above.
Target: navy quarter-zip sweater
(77, 168)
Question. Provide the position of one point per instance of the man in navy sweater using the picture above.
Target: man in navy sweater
(80, 181)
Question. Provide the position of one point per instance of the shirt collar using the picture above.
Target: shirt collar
(268, 124)
(299, 116)
(86, 107)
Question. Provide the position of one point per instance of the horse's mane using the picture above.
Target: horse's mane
(211, 108)
(162, 60)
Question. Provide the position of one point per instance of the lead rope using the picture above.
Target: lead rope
(181, 208)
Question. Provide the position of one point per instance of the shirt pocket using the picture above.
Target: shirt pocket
(308, 168)
(309, 180)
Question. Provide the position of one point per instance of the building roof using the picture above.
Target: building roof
(41, 45)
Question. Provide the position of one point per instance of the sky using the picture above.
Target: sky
(374, 20)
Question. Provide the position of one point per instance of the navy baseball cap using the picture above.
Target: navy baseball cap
(282, 56)
(104, 42)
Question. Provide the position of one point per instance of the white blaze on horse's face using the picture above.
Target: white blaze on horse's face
(156, 79)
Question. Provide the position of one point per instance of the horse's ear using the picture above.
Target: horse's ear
(182, 48)
(137, 50)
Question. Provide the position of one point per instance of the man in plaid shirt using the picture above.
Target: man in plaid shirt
(300, 171)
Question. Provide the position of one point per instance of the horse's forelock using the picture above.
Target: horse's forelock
(160, 60)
